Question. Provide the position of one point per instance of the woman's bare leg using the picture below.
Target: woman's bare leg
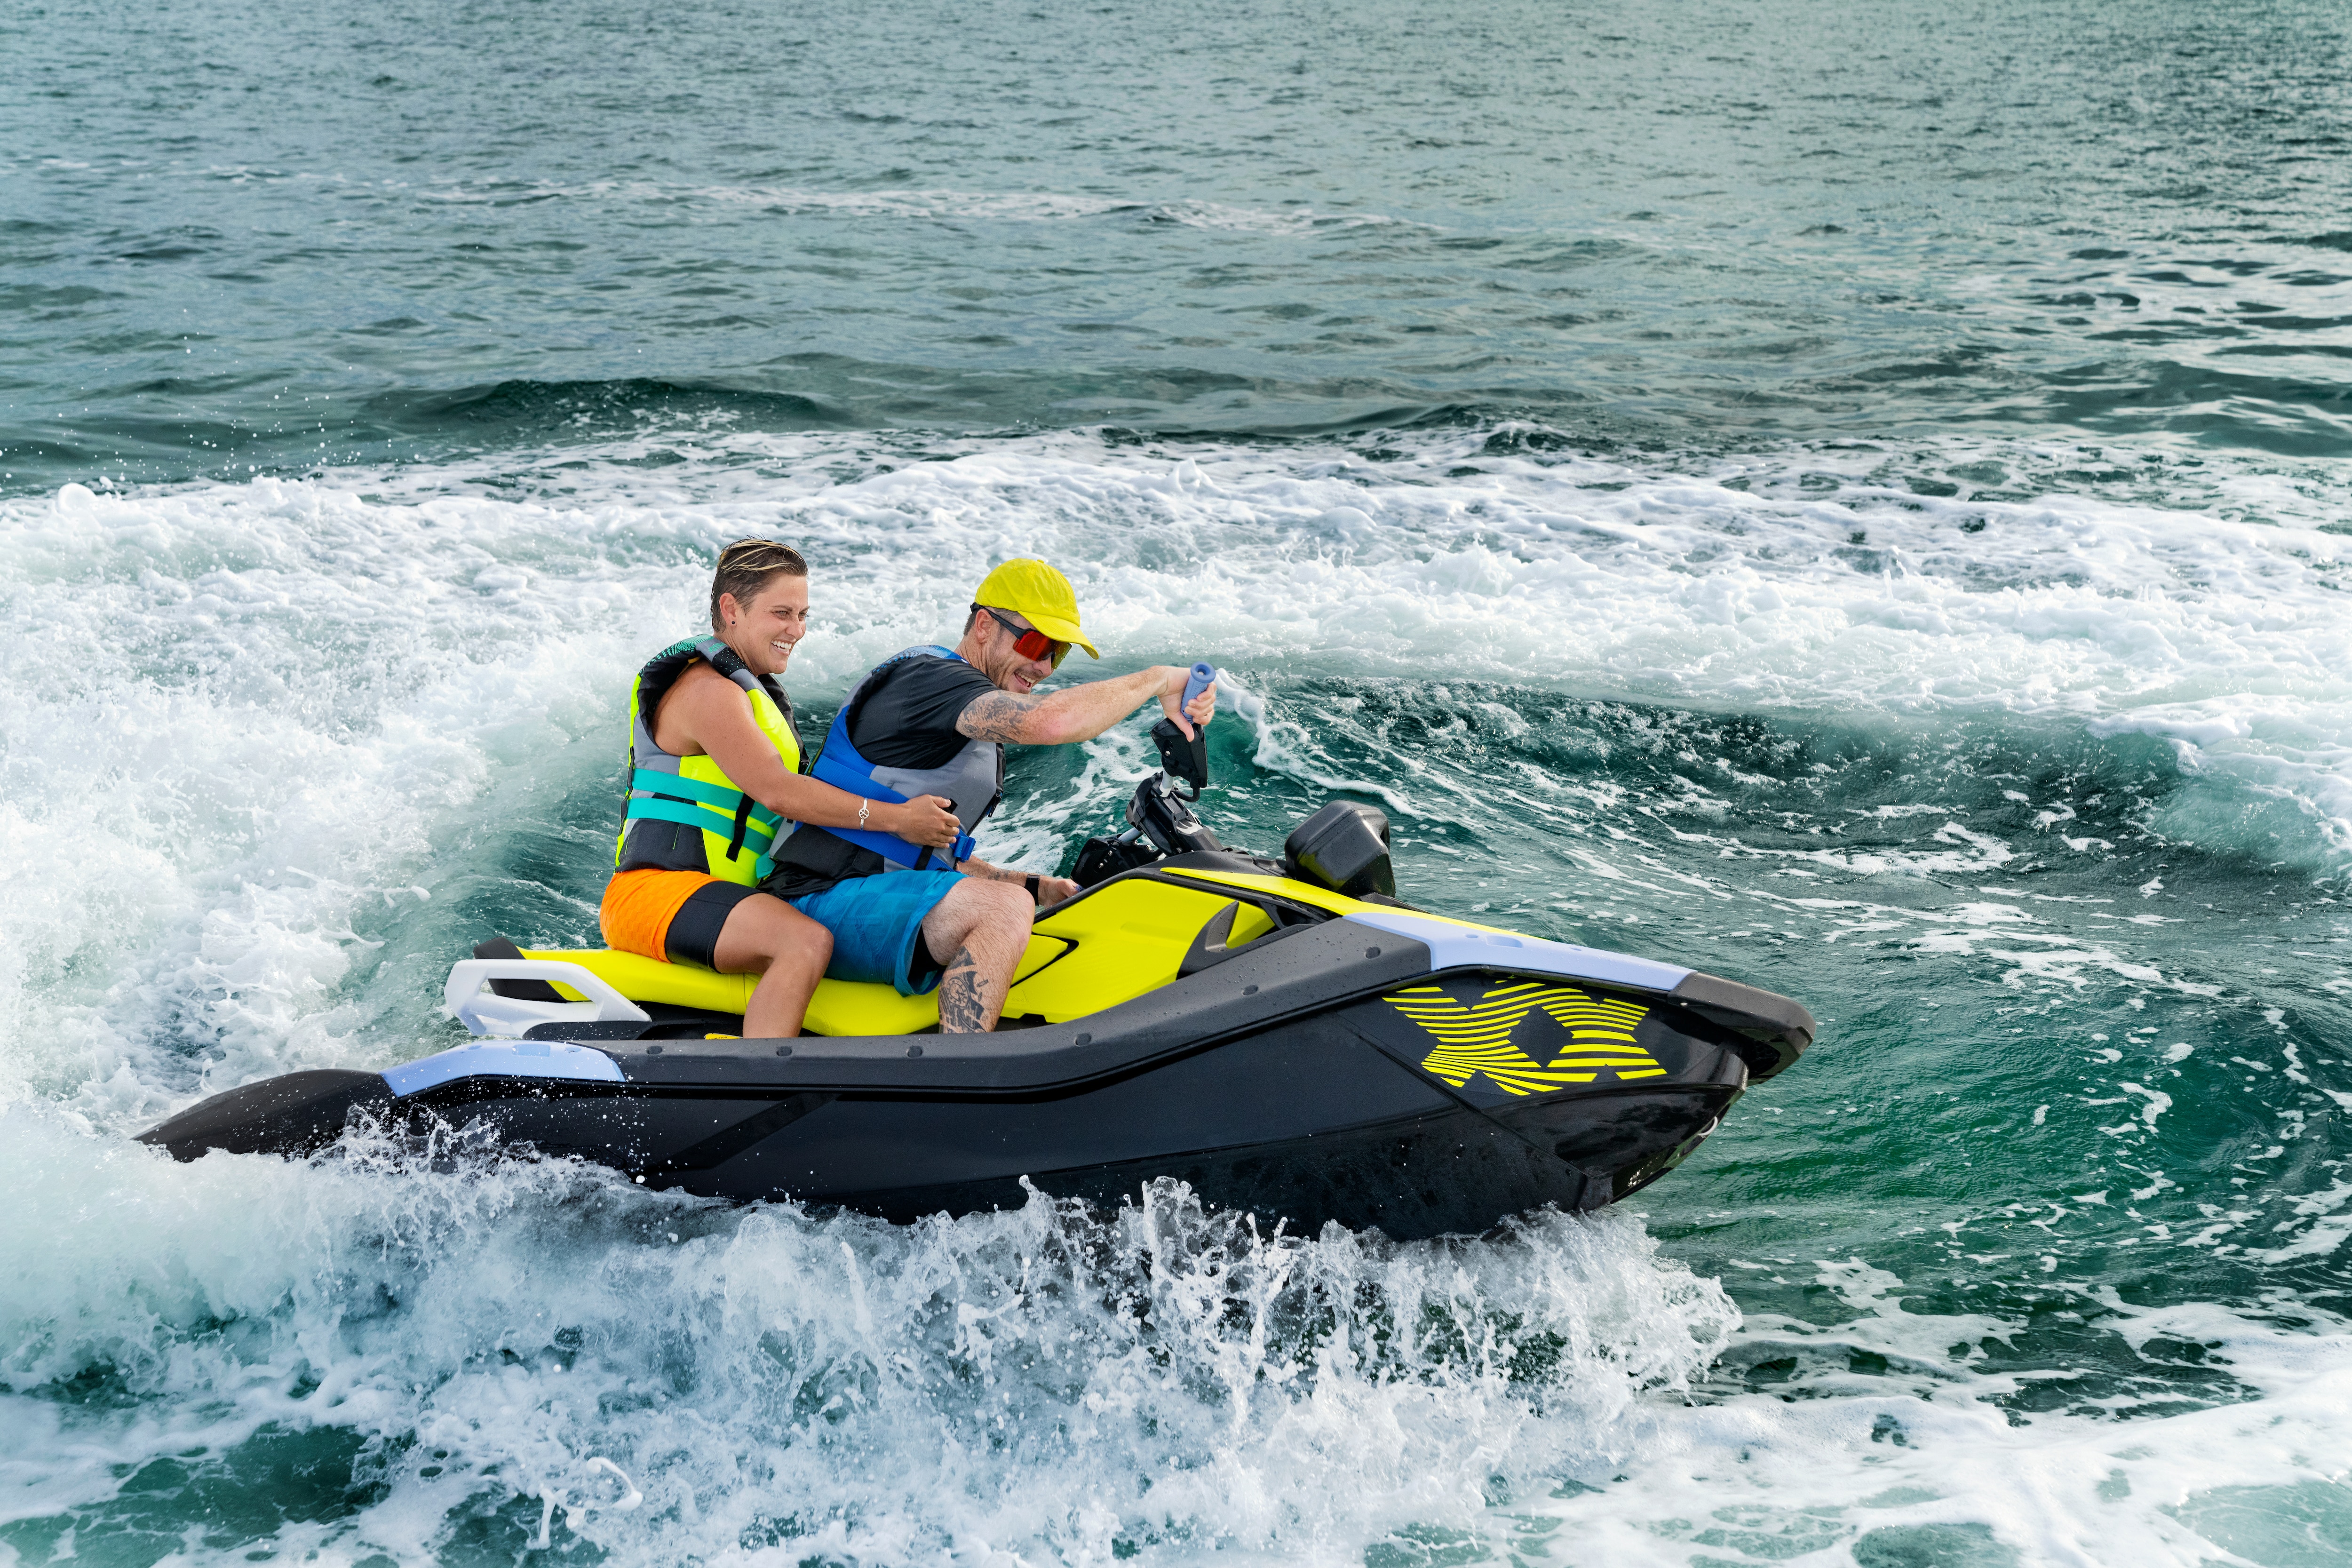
(767, 937)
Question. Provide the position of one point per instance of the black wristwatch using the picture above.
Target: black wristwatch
(1029, 881)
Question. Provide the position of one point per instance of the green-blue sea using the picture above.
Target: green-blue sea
(1854, 498)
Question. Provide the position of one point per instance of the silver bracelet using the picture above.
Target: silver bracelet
(863, 807)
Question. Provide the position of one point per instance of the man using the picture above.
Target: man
(932, 720)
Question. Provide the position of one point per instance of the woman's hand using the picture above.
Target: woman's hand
(928, 819)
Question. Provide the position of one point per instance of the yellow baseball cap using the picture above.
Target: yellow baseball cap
(1037, 591)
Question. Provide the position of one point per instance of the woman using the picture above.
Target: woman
(714, 778)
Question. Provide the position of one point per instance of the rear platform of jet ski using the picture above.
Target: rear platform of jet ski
(1282, 1046)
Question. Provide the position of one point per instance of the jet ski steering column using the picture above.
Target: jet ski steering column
(1159, 819)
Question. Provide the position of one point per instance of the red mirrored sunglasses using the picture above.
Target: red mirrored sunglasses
(1029, 642)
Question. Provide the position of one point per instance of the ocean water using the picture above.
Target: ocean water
(1853, 500)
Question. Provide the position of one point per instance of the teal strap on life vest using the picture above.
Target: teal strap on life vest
(758, 835)
(717, 810)
(718, 797)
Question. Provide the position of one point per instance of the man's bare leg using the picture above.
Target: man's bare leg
(982, 927)
(767, 937)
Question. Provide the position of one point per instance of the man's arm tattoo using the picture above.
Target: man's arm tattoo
(961, 1010)
(998, 716)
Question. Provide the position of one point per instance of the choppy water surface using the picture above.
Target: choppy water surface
(1855, 504)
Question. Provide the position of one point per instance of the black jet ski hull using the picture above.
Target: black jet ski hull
(1346, 1072)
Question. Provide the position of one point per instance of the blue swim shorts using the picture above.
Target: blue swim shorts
(877, 925)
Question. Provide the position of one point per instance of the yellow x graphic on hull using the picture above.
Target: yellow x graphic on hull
(1473, 1040)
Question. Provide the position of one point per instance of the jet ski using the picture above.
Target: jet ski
(1286, 1035)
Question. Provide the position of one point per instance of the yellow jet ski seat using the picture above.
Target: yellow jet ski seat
(1093, 952)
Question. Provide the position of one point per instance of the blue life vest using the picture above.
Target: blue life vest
(973, 779)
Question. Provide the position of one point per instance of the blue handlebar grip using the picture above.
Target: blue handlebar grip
(1202, 675)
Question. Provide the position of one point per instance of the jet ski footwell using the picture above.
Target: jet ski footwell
(1379, 1069)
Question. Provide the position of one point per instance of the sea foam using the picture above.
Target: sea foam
(780, 1386)
(267, 740)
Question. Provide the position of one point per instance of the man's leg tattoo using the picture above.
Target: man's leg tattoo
(961, 1009)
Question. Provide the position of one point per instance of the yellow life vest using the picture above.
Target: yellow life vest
(683, 814)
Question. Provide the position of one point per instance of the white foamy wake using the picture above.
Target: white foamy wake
(243, 721)
(1922, 1464)
(235, 720)
(1812, 582)
(1033, 1382)
(237, 715)
(511, 1350)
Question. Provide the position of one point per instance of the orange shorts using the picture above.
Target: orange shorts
(639, 905)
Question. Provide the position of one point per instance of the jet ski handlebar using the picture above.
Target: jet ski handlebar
(1159, 819)
(1202, 674)
(1184, 756)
